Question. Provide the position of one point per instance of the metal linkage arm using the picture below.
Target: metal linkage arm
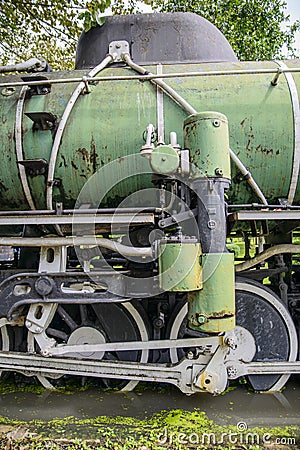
(180, 375)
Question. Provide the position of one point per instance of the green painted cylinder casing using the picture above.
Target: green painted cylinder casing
(109, 123)
(206, 136)
(179, 267)
(164, 159)
(212, 310)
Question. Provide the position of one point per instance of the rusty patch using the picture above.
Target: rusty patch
(3, 187)
(248, 148)
(64, 160)
(267, 151)
(94, 155)
(84, 153)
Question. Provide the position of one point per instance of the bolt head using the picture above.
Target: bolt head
(201, 319)
(230, 342)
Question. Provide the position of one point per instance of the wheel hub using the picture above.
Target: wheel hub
(86, 335)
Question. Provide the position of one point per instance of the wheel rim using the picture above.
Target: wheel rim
(284, 333)
(117, 322)
(258, 382)
(4, 340)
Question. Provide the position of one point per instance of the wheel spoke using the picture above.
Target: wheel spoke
(98, 323)
(83, 314)
(52, 332)
(67, 318)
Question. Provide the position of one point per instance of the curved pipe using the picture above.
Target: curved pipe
(19, 147)
(76, 241)
(185, 105)
(158, 82)
(273, 251)
(62, 123)
(32, 63)
(250, 180)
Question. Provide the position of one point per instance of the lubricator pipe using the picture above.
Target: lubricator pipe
(250, 180)
(272, 251)
(185, 105)
(62, 124)
(89, 241)
(158, 82)
(31, 64)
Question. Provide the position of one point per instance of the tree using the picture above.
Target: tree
(46, 28)
(256, 29)
(51, 28)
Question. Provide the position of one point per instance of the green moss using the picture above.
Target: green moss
(163, 430)
(10, 385)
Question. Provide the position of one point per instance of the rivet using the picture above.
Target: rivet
(211, 224)
(218, 171)
(201, 319)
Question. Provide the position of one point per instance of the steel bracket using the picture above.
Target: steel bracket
(117, 48)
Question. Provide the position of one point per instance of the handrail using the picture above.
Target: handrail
(150, 76)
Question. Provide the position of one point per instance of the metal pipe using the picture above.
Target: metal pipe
(250, 180)
(31, 64)
(159, 82)
(79, 212)
(185, 105)
(160, 109)
(272, 251)
(260, 206)
(296, 136)
(150, 76)
(19, 147)
(76, 241)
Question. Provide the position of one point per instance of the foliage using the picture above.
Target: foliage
(49, 28)
(46, 28)
(166, 430)
(256, 29)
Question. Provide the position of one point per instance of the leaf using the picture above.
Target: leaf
(101, 20)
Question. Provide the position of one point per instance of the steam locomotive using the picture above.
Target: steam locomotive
(149, 223)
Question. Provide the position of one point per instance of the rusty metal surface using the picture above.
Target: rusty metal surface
(154, 38)
(262, 140)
